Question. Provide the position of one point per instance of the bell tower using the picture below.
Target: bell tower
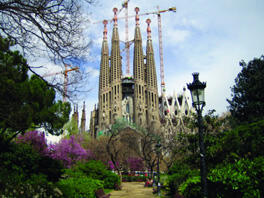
(139, 77)
(151, 84)
(115, 74)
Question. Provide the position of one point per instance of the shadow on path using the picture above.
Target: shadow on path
(133, 190)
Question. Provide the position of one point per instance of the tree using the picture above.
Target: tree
(247, 104)
(26, 102)
(36, 139)
(71, 128)
(52, 30)
(54, 27)
(69, 151)
(135, 164)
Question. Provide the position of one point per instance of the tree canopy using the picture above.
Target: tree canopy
(26, 101)
(247, 104)
(54, 27)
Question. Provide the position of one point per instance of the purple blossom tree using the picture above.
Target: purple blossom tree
(69, 151)
(135, 163)
(112, 166)
(36, 139)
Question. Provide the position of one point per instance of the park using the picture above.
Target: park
(133, 137)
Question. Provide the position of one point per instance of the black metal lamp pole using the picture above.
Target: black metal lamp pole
(158, 145)
(197, 91)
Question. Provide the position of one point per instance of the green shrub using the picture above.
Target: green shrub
(191, 188)
(36, 185)
(25, 173)
(22, 159)
(244, 178)
(178, 174)
(97, 170)
(77, 187)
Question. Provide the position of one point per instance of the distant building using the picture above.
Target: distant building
(134, 98)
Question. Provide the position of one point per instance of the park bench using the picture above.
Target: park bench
(100, 194)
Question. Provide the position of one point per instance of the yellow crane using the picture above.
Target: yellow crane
(65, 73)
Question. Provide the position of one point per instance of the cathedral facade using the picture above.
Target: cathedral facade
(134, 98)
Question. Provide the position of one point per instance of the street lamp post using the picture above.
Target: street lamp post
(197, 92)
(158, 145)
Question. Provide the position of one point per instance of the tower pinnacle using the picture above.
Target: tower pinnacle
(115, 16)
(148, 21)
(105, 29)
(137, 16)
(83, 120)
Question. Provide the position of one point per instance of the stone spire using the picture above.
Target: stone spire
(116, 73)
(151, 80)
(83, 119)
(104, 87)
(139, 76)
(75, 115)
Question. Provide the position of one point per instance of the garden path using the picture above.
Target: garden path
(133, 190)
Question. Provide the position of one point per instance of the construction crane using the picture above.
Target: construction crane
(127, 43)
(65, 73)
(163, 89)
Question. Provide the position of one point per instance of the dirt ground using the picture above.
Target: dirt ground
(133, 190)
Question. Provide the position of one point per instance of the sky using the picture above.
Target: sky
(209, 37)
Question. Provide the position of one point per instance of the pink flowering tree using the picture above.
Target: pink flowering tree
(111, 165)
(135, 164)
(36, 139)
(69, 151)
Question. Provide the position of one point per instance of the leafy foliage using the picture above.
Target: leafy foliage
(71, 128)
(24, 101)
(234, 161)
(191, 187)
(36, 139)
(178, 174)
(35, 185)
(244, 178)
(23, 172)
(247, 104)
(78, 185)
(97, 170)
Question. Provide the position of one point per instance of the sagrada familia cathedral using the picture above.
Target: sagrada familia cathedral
(134, 98)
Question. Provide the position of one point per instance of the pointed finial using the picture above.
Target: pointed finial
(137, 17)
(115, 16)
(105, 29)
(148, 21)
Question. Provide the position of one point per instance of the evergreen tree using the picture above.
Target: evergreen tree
(24, 101)
(247, 103)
